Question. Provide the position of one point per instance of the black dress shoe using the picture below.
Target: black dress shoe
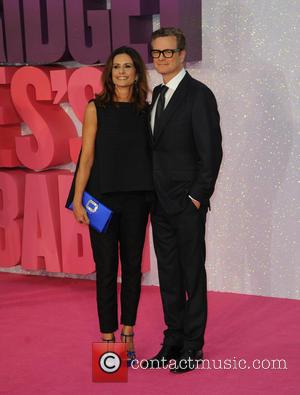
(189, 360)
(161, 359)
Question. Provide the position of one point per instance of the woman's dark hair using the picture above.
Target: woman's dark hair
(140, 89)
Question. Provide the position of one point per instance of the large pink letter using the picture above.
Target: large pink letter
(132, 24)
(83, 84)
(13, 32)
(41, 246)
(88, 37)
(75, 146)
(44, 26)
(51, 127)
(12, 185)
(9, 121)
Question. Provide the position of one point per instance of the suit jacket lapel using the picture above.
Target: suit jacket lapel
(156, 91)
(155, 94)
(174, 102)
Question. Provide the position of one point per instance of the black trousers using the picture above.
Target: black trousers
(179, 242)
(125, 235)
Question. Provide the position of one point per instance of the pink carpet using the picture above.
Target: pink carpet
(47, 326)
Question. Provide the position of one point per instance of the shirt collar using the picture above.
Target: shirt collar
(175, 81)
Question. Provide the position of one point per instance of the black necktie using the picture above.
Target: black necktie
(160, 107)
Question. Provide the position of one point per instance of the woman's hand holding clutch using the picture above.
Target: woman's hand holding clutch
(80, 213)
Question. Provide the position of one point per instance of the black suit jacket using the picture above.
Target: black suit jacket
(187, 150)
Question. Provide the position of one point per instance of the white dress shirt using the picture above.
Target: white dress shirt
(172, 85)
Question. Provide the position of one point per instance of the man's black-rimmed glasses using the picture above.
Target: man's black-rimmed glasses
(167, 53)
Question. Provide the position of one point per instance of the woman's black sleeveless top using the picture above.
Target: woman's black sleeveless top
(122, 160)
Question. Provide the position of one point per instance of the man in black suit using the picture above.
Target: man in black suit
(187, 154)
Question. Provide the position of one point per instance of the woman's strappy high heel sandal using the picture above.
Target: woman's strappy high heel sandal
(131, 356)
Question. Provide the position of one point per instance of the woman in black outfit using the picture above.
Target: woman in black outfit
(114, 166)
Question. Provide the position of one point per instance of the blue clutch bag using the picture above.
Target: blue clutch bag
(98, 214)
